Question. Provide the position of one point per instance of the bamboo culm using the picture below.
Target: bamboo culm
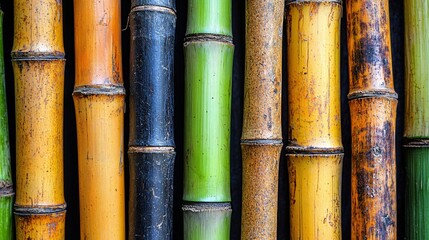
(6, 186)
(416, 132)
(151, 144)
(261, 140)
(373, 102)
(314, 150)
(38, 65)
(99, 98)
(208, 53)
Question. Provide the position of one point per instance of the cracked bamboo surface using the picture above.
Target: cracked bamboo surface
(261, 140)
(373, 103)
(314, 150)
(416, 132)
(99, 98)
(38, 65)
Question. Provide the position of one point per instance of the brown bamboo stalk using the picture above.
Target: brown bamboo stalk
(261, 140)
(38, 65)
(373, 103)
(99, 98)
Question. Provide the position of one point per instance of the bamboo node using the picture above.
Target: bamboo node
(99, 90)
(313, 1)
(205, 37)
(153, 8)
(26, 210)
(276, 142)
(387, 93)
(6, 189)
(416, 143)
(292, 150)
(139, 149)
(197, 207)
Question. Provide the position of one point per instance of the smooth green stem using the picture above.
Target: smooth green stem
(6, 190)
(209, 16)
(208, 76)
(208, 224)
(417, 71)
(417, 208)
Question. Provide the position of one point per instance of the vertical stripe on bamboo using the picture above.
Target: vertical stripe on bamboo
(416, 118)
(261, 139)
(208, 51)
(38, 65)
(373, 103)
(6, 185)
(151, 144)
(314, 150)
(99, 98)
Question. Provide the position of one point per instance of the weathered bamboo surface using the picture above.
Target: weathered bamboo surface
(373, 103)
(38, 65)
(151, 144)
(261, 139)
(314, 151)
(99, 98)
(416, 118)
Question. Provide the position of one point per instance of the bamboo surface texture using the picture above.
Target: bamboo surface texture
(99, 98)
(261, 140)
(208, 51)
(6, 186)
(416, 132)
(38, 64)
(151, 144)
(373, 102)
(314, 151)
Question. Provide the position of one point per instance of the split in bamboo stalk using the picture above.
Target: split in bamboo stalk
(417, 118)
(99, 98)
(261, 140)
(208, 52)
(314, 150)
(6, 186)
(151, 144)
(373, 103)
(38, 65)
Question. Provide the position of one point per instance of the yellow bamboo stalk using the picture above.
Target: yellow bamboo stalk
(99, 98)
(314, 148)
(38, 65)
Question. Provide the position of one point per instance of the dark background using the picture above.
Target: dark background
(70, 145)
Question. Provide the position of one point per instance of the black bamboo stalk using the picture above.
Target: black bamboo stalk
(151, 144)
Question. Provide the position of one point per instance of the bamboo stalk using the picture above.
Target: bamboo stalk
(373, 103)
(416, 117)
(208, 52)
(261, 140)
(314, 150)
(6, 185)
(151, 144)
(99, 98)
(38, 65)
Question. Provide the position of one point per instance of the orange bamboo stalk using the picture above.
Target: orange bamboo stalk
(38, 65)
(99, 98)
(373, 103)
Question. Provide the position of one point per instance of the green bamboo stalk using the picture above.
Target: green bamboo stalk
(6, 187)
(209, 53)
(416, 130)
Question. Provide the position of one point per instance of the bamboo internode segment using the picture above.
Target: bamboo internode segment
(6, 185)
(314, 151)
(99, 98)
(151, 144)
(373, 103)
(38, 65)
(416, 131)
(261, 139)
(208, 51)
